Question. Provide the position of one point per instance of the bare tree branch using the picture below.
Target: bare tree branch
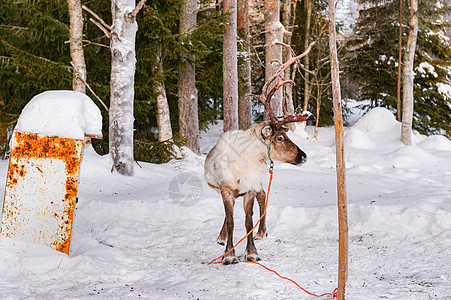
(138, 8)
(97, 17)
(105, 31)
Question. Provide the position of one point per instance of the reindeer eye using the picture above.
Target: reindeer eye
(280, 138)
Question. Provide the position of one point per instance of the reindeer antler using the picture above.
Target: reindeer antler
(265, 97)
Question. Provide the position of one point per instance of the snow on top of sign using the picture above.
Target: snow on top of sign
(66, 114)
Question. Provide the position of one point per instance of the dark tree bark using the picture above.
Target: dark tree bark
(244, 101)
(288, 19)
(188, 106)
(273, 50)
(230, 68)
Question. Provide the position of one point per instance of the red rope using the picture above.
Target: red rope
(334, 294)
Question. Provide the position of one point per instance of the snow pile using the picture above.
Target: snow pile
(436, 142)
(131, 239)
(376, 129)
(66, 114)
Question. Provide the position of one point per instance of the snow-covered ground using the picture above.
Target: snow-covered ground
(151, 236)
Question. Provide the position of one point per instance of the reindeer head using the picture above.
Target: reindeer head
(273, 132)
(281, 146)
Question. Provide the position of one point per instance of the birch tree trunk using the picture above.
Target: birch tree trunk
(288, 19)
(230, 68)
(163, 116)
(407, 102)
(398, 87)
(273, 51)
(123, 60)
(188, 106)
(308, 21)
(76, 45)
(244, 101)
(341, 175)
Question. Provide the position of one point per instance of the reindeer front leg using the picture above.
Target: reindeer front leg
(248, 203)
(228, 199)
(261, 198)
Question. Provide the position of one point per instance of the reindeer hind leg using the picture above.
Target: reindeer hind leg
(261, 198)
(228, 199)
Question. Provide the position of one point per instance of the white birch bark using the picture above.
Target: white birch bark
(188, 106)
(230, 68)
(76, 45)
(407, 103)
(163, 116)
(123, 60)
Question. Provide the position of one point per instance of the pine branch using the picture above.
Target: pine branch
(32, 55)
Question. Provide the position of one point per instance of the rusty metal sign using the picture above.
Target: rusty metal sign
(41, 189)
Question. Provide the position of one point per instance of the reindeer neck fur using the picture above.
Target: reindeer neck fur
(239, 161)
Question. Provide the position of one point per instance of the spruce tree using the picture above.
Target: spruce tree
(374, 59)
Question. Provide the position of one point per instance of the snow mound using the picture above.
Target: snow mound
(376, 129)
(436, 142)
(66, 114)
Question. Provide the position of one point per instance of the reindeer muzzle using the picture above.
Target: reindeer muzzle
(300, 158)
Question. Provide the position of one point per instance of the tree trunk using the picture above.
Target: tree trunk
(407, 105)
(398, 100)
(273, 51)
(230, 68)
(76, 45)
(163, 116)
(123, 60)
(288, 19)
(244, 101)
(341, 175)
(318, 107)
(309, 8)
(188, 106)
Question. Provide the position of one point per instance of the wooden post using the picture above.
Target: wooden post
(341, 178)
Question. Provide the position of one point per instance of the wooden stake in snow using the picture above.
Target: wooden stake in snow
(341, 178)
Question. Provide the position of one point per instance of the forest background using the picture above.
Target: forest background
(35, 57)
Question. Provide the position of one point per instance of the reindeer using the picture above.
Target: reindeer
(236, 164)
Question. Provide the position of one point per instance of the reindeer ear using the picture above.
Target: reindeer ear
(266, 132)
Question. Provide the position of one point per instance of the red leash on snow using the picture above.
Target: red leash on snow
(334, 294)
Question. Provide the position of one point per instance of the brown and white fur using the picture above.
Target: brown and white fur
(235, 167)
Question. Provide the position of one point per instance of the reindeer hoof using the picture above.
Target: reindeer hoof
(221, 241)
(227, 260)
(252, 257)
(260, 235)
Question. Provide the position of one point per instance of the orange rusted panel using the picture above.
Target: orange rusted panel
(41, 189)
